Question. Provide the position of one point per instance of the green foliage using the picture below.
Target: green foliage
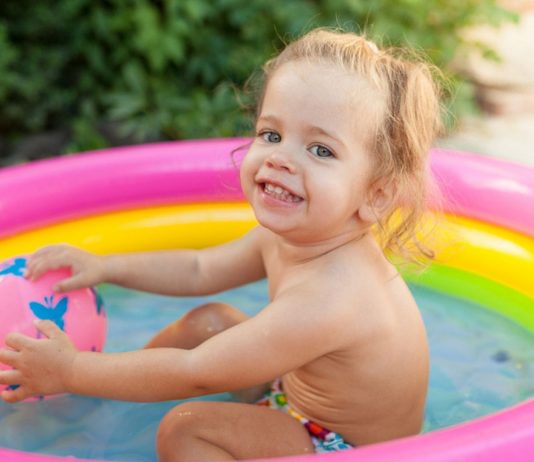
(172, 69)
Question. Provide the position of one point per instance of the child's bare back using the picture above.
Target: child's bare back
(370, 384)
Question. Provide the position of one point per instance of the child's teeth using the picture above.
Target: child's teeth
(280, 193)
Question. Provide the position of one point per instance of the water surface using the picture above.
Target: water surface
(480, 363)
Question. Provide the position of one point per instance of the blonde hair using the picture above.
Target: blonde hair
(407, 123)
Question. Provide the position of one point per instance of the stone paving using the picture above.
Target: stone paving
(509, 137)
(505, 90)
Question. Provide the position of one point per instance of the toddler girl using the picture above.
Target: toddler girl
(340, 353)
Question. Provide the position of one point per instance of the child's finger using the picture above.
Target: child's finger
(8, 356)
(14, 396)
(39, 255)
(10, 377)
(17, 341)
(42, 266)
(48, 328)
(30, 268)
(42, 251)
(36, 269)
(72, 283)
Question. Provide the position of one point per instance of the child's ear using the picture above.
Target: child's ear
(380, 199)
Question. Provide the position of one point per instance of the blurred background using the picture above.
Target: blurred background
(78, 75)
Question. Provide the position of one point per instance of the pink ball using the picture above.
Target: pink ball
(79, 313)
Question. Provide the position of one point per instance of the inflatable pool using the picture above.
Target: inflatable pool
(186, 194)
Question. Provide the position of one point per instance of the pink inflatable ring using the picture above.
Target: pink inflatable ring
(483, 190)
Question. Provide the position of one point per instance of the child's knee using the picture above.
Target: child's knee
(177, 417)
(212, 318)
(177, 426)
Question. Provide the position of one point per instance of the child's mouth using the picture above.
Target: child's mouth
(280, 193)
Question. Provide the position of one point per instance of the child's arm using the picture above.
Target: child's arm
(190, 272)
(288, 333)
(176, 272)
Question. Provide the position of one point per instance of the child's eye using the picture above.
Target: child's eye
(271, 137)
(321, 151)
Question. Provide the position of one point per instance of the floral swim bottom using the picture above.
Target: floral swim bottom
(323, 440)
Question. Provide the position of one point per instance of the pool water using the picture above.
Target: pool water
(480, 363)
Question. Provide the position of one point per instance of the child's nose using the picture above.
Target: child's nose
(280, 161)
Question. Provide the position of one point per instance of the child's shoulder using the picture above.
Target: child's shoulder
(363, 279)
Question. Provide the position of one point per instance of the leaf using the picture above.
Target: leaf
(164, 69)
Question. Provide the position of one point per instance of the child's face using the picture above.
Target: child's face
(307, 172)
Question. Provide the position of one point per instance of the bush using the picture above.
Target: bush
(173, 69)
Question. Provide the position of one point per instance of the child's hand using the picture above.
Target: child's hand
(87, 269)
(40, 366)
